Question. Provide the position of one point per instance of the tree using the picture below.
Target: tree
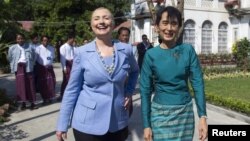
(57, 18)
(8, 26)
(11, 12)
(180, 7)
(242, 53)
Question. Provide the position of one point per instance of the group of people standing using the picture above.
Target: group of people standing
(97, 100)
(33, 67)
(32, 64)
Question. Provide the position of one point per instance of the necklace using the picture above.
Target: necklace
(108, 68)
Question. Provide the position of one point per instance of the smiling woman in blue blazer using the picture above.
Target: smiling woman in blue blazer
(96, 100)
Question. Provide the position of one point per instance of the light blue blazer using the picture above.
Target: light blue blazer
(14, 54)
(95, 99)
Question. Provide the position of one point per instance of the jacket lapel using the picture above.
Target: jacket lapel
(95, 60)
(119, 58)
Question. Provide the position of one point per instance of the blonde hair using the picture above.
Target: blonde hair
(103, 8)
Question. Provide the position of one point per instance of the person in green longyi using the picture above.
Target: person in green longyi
(169, 115)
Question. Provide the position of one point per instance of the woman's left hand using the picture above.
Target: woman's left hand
(127, 102)
(203, 129)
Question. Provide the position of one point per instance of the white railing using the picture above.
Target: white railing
(190, 2)
(207, 3)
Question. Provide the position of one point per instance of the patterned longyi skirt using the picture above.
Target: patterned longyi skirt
(172, 122)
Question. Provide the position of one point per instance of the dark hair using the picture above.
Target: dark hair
(144, 36)
(159, 40)
(21, 34)
(46, 36)
(70, 36)
(34, 35)
(122, 29)
(172, 13)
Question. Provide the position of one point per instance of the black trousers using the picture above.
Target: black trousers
(120, 135)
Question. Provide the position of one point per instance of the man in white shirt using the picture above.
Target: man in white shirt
(66, 59)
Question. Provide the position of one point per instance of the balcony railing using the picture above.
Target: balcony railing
(190, 2)
(205, 4)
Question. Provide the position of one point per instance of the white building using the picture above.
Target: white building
(207, 24)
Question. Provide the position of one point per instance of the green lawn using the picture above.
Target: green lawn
(236, 88)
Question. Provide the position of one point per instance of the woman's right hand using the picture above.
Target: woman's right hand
(61, 136)
(148, 134)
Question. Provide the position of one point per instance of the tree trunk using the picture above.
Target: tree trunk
(180, 7)
(151, 10)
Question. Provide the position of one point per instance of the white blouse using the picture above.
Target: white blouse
(22, 57)
(45, 55)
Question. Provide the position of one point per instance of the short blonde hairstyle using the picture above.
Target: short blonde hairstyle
(103, 8)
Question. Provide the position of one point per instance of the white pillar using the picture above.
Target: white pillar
(137, 32)
(147, 28)
(215, 39)
(198, 37)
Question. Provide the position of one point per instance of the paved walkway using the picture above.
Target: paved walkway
(39, 125)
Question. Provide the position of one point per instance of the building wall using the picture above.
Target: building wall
(200, 11)
(245, 4)
(199, 17)
(239, 28)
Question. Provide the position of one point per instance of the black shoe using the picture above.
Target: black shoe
(50, 101)
(24, 106)
(33, 106)
(45, 102)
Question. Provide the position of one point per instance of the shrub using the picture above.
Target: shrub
(3, 54)
(241, 51)
(216, 59)
(4, 64)
(4, 105)
(233, 104)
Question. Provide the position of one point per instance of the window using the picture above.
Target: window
(206, 45)
(222, 38)
(235, 34)
(189, 32)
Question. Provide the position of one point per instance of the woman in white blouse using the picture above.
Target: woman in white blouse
(45, 72)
